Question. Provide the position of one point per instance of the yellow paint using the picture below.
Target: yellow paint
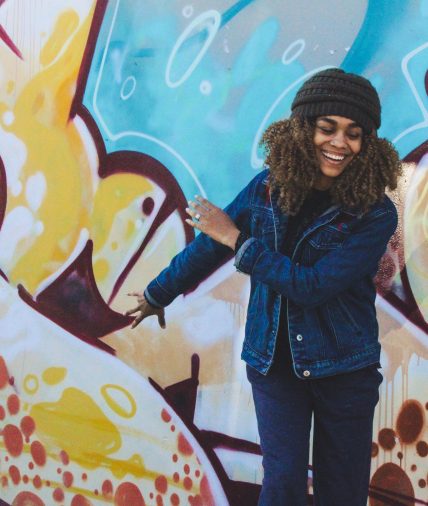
(77, 425)
(126, 398)
(101, 269)
(66, 24)
(31, 384)
(54, 375)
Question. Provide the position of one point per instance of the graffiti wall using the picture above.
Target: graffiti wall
(112, 115)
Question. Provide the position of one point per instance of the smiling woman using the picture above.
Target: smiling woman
(309, 231)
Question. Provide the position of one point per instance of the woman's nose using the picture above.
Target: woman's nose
(338, 140)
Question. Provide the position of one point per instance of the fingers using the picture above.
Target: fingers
(161, 320)
(132, 311)
(135, 294)
(137, 320)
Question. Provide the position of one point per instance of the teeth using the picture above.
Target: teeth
(334, 157)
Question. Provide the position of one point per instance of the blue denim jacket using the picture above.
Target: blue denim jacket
(327, 284)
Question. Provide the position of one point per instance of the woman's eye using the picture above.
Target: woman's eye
(325, 130)
(354, 136)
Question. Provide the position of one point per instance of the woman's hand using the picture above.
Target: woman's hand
(213, 221)
(145, 309)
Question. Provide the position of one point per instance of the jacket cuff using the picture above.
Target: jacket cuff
(248, 254)
(156, 295)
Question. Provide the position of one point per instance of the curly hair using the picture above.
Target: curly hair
(294, 168)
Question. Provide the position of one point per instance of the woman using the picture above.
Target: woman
(309, 231)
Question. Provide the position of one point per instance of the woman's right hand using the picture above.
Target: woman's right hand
(144, 309)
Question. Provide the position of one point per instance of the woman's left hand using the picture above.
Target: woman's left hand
(213, 221)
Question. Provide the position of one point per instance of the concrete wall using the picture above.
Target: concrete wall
(112, 114)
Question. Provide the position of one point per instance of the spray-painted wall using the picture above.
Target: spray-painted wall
(112, 114)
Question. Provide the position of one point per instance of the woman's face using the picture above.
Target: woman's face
(337, 142)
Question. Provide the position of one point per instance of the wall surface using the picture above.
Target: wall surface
(112, 115)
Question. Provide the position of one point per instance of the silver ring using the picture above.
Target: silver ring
(197, 216)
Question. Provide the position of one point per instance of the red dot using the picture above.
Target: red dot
(25, 479)
(48, 483)
(161, 484)
(107, 489)
(13, 404)
(80, 500)
(4, 376)
(65, 459)
(96, 491)
(26, 498)
(175, 500)
(197, 473)
(151, 495)
(175, 457)
(159, 500)
(166, 417)
(58, 495)
(37, 482)
(67, 479)
(13, 440)
(186, 468)
(2, 413)
(187, 482)
(184, 445)
(176, 477)
(38, 453)
(58, 470)
(15, 474)
(172, 428)
(197, 501)
(206, 491)
(126, 494)
(4, 481)
(30, 465)
(11, 381)
(84, 476)
(27, 426)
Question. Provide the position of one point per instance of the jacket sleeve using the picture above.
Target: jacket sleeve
(201, 257)
(309, 286)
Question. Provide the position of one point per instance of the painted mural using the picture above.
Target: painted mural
(112, 115)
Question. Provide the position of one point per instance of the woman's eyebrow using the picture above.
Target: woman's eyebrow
(334, 123)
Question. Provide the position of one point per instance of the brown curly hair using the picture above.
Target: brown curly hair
(294, 168)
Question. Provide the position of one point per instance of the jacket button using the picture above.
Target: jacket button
(299, 337)
(306, 373)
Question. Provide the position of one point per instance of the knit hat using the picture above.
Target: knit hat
(339, 93)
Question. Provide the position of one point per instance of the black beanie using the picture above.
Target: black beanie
(334, 92)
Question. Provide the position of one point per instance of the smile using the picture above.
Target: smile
(333, 156)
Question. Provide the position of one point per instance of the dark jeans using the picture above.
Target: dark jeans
(343, 408)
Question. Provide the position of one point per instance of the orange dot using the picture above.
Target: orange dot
(107, 488)
(13, 440)
(161, 484)
(27, 426)
(166, 417)
(65, 459)
(67, 479)
(38, 453)
(176, 477)
(175, 500)
(13, 404)
(25, 479)
(37, 482)
(184, 446)
(58, 495)
(4, 376)
(15, 474)
(187, 482)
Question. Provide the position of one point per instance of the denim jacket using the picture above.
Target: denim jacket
(327, 284)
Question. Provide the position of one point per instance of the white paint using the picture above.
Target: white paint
(205, 87)
(8, 118)
(39, 228)
(130, 83)
(209, 20)
(35, 190)
(187, 11)
(14, 155)
(298, 46)
(17, 225)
